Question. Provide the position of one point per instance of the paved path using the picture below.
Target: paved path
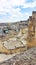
(24, 58)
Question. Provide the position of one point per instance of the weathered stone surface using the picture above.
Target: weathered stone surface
(24, 58)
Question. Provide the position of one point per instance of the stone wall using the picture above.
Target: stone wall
(32, 26)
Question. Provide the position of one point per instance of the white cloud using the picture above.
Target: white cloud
(30, 4)
(7, 6)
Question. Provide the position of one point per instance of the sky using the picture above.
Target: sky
(16, 10)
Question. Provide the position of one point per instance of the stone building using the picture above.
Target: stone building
(34, 21)
(32, 26)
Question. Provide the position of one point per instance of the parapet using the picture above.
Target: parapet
(33, 12)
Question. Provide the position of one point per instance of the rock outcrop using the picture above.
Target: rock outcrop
(24, 58)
